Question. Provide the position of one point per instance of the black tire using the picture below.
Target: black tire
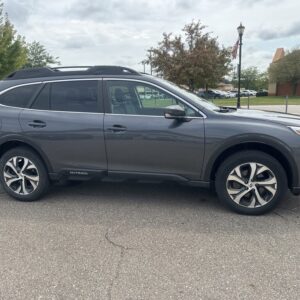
(42, 184)
(224, 187)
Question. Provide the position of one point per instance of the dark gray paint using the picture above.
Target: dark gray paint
(149, 145)
(69, 140)
(155, 145)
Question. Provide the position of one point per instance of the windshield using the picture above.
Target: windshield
(193, 97)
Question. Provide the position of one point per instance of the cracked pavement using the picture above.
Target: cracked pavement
(145, 241)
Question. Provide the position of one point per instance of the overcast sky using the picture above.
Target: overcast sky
(94, 32)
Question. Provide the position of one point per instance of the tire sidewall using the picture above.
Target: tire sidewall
(246, 157)
(43, 176)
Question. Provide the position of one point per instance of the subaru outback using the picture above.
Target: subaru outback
(113, 122)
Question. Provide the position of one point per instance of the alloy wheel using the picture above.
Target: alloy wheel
(21, 175)
(251, 185)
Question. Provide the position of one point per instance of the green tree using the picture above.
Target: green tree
(193, 59)
(37, 56)
(287, 69)
(252, 79)
(262, 81)
(12, 46)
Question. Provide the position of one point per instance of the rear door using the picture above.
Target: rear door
(66, 122)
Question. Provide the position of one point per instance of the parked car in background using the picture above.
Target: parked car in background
(245, 93)
(202, 93)
(224, 94)
(218, 94)
(248, 93)
(211, 94)
(252, 92)
(262, 93)
(232, 94)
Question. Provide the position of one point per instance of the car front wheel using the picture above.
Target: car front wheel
(251, 182)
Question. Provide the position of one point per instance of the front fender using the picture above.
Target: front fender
(213, 153)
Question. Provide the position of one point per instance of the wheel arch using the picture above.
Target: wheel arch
(9, 144)
(281, 154)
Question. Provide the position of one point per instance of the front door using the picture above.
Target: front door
(66, 123)
(140, 139)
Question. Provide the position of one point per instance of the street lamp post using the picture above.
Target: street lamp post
(240, 30)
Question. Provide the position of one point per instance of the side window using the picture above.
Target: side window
(130, 97)
(42, 101)
(122, 97)
(19, 96)
(153, 98)
(78, 96)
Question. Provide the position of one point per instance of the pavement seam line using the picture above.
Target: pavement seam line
(118, 267)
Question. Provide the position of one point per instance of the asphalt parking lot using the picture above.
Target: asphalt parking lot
(145, 241)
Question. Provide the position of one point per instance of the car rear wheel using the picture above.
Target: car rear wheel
(23, 174)
(251, 182)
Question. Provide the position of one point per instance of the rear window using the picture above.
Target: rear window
(80, 96)
(19, 96)
(75, 96)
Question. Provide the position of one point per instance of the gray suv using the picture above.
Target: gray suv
(67, 124)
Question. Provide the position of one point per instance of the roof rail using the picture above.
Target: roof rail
(71, 67)
(71, 70)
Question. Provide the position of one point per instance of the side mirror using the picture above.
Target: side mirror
(174, 112)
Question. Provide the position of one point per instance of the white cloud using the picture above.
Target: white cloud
(120, 31)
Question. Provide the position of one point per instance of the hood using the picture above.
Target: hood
(275, 117)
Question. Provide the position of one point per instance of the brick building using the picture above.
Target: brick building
(281, 89)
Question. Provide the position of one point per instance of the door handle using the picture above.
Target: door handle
(117, 128)
(37, 124)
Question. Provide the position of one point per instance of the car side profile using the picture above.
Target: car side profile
(61, 124)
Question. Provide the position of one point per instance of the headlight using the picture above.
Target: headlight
(295, 129)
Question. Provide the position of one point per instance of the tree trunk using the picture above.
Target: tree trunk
(192, 85)
(294, 87)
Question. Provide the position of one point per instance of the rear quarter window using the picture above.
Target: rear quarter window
(19, 96)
